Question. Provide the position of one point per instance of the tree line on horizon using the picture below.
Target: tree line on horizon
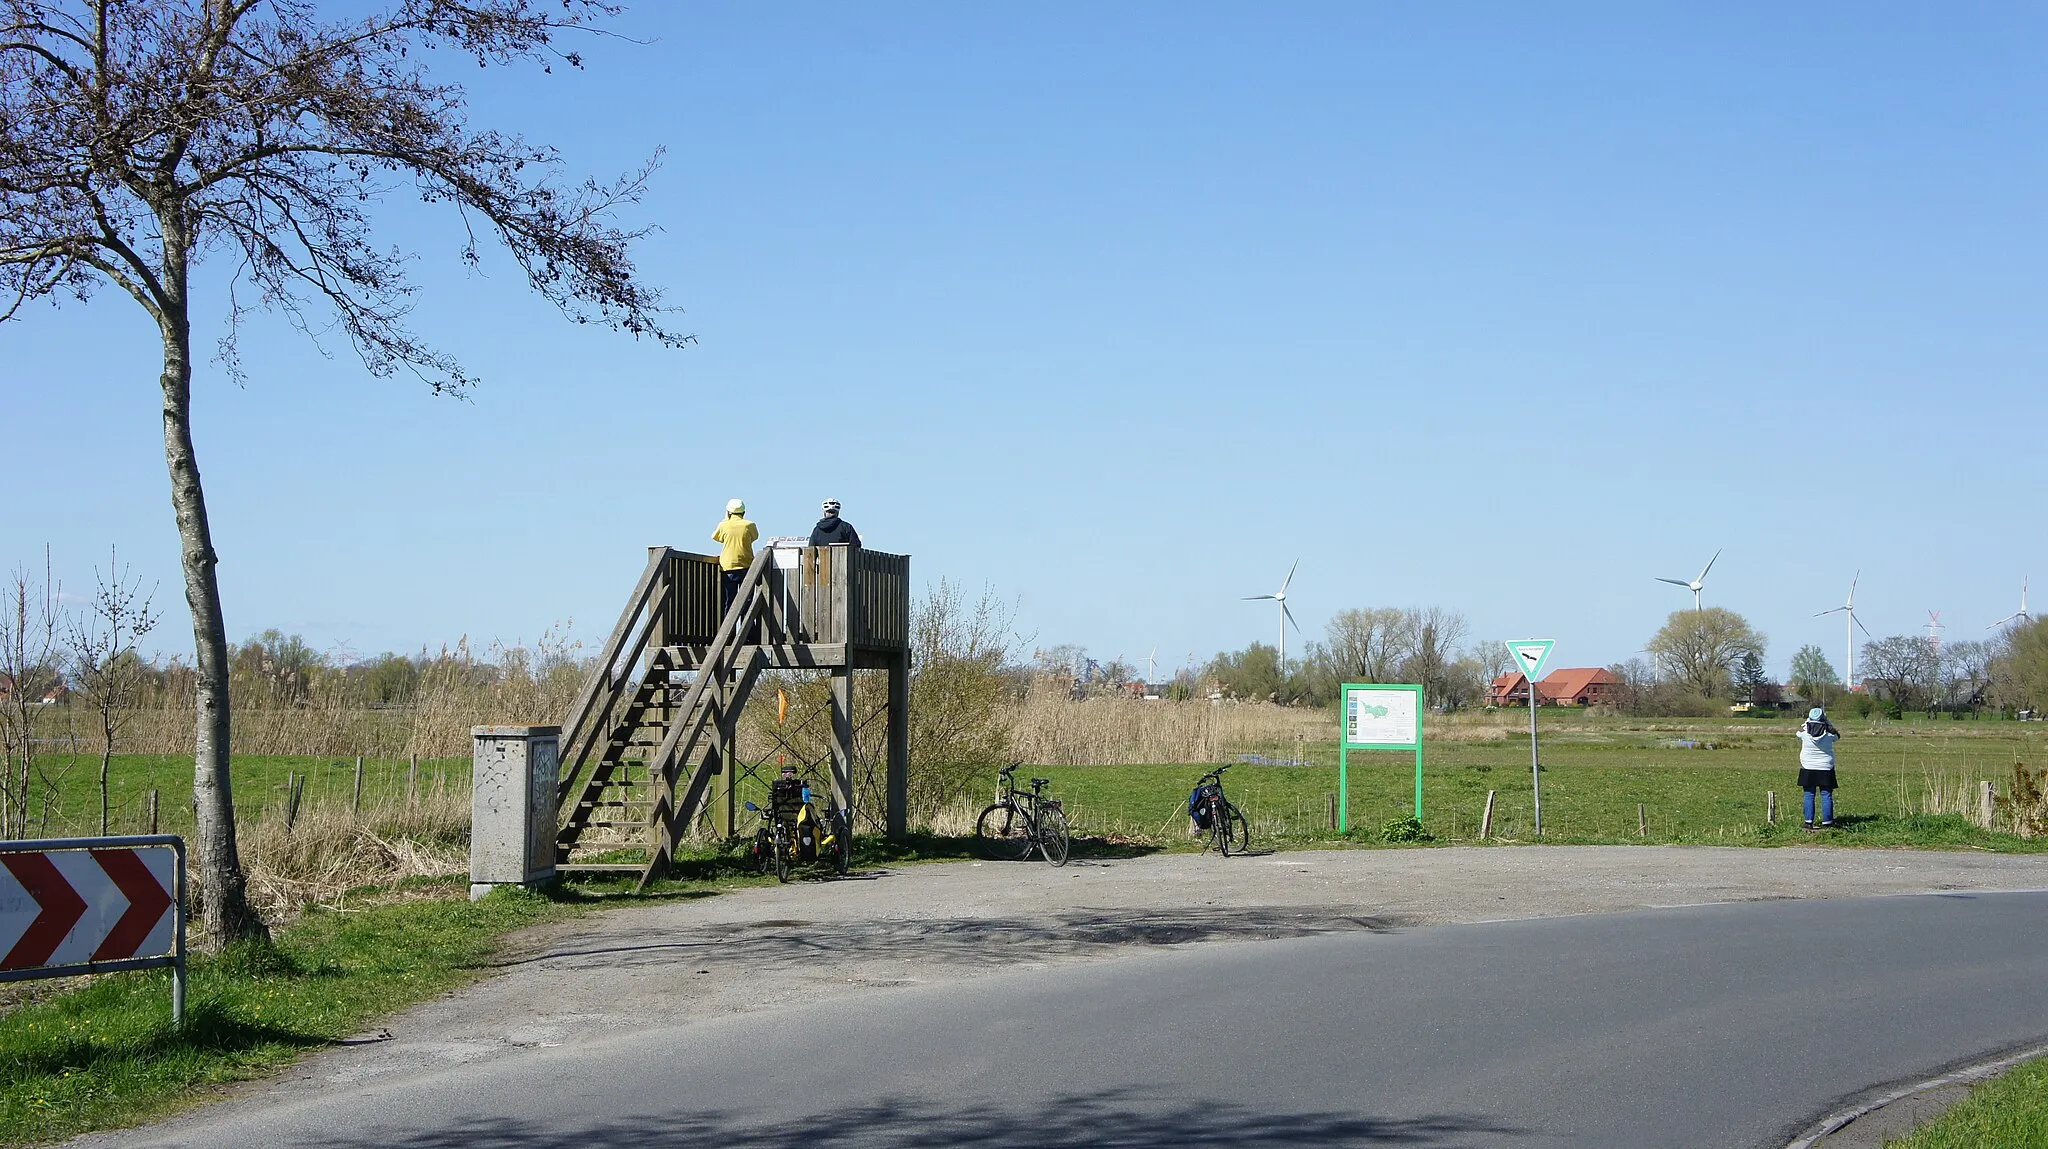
(1698, 662)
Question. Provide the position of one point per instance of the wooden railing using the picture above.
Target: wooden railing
(825, 595)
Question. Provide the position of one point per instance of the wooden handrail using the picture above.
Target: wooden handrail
(604, 677)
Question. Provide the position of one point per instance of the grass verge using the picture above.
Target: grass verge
(2008, 1112)
(104, 1055)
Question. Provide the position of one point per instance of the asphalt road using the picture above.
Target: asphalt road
(1719, 1025)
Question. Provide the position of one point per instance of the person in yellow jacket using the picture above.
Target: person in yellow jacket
(737, 536)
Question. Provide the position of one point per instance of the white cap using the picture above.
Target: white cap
(735, 507)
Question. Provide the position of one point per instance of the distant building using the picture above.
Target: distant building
(1512, 689)
(56, 693)
(1576, 686)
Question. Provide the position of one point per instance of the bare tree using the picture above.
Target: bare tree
(1492, 658)
(136, 139)
(1633, 681)
(1902, 670)
(29, 679)
(106, 672)
(1701, 648)
(1966, 672)
(1429, 635)
(1366, 644)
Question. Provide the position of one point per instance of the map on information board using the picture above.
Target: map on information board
(1382, 717)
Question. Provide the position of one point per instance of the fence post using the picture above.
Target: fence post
(412, 783)
(1771, 806)
(1330, 807)
(1987, 804)
(355, 805)
(1486, 819)
(1642, 821)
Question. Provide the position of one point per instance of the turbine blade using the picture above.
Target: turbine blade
(1677, 582)
(1830, 610)
(1290, 576)
(1256, 597)
(1860, 626)
(1290, 618)
(1709, 566)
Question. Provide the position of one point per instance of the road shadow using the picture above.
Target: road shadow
(990, 941)
(1123, 1119)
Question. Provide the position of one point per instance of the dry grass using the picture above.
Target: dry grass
(1049, 729)
(455, 692)
(329, 850)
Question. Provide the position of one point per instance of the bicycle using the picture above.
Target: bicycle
(1017, 823)
(1215, 814)
(789, 836)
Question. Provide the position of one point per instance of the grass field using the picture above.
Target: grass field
(1696, 779)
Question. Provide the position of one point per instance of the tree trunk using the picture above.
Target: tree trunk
(224, 890)
(106, 760)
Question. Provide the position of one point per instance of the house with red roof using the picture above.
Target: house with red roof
(1575, 686)
(1578, 686)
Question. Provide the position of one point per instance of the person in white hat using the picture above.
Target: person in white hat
(736, 535)
(832, 529)
(1817, 738)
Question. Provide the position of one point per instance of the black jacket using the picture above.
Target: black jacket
(832, 530)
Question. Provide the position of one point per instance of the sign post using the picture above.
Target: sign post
(1532, 654)
(1378, 717)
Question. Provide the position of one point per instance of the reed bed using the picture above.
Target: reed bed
(1056, 731)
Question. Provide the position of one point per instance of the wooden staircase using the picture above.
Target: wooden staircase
(639, 754)
(648, 745)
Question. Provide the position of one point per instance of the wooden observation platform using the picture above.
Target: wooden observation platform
(650, 743)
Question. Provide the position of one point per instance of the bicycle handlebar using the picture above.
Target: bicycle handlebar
(1217, 774)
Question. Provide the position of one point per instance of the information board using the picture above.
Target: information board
(1382, 717)
(1378, 716)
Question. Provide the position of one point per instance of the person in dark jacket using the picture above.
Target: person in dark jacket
(832, 530)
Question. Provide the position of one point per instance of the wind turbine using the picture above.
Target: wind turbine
(1695, 584)
(1286, 616)
(1934, 629)
(2022, 614)
(1847, 629)
(1151, 667)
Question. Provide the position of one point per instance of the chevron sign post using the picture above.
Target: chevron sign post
(94, 905)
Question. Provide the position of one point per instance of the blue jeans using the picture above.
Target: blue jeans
(1827, 806)
(730, 587)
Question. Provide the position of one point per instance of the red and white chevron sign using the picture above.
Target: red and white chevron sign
(86, 904)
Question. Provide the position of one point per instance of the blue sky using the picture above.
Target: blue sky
(1120, 309)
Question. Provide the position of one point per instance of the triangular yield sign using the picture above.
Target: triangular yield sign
(1531, 655)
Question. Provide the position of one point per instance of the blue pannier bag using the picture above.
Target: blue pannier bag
(1198, 806)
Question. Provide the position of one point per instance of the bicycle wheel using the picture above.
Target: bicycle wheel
(1003, 833)
(842, 843)
(1237, 833)
(764, 851)
(1053, 835)
(782, 849)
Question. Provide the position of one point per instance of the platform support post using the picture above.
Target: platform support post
(842, 740)
(899, 745)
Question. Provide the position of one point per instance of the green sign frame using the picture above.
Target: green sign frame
(1385, 698)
